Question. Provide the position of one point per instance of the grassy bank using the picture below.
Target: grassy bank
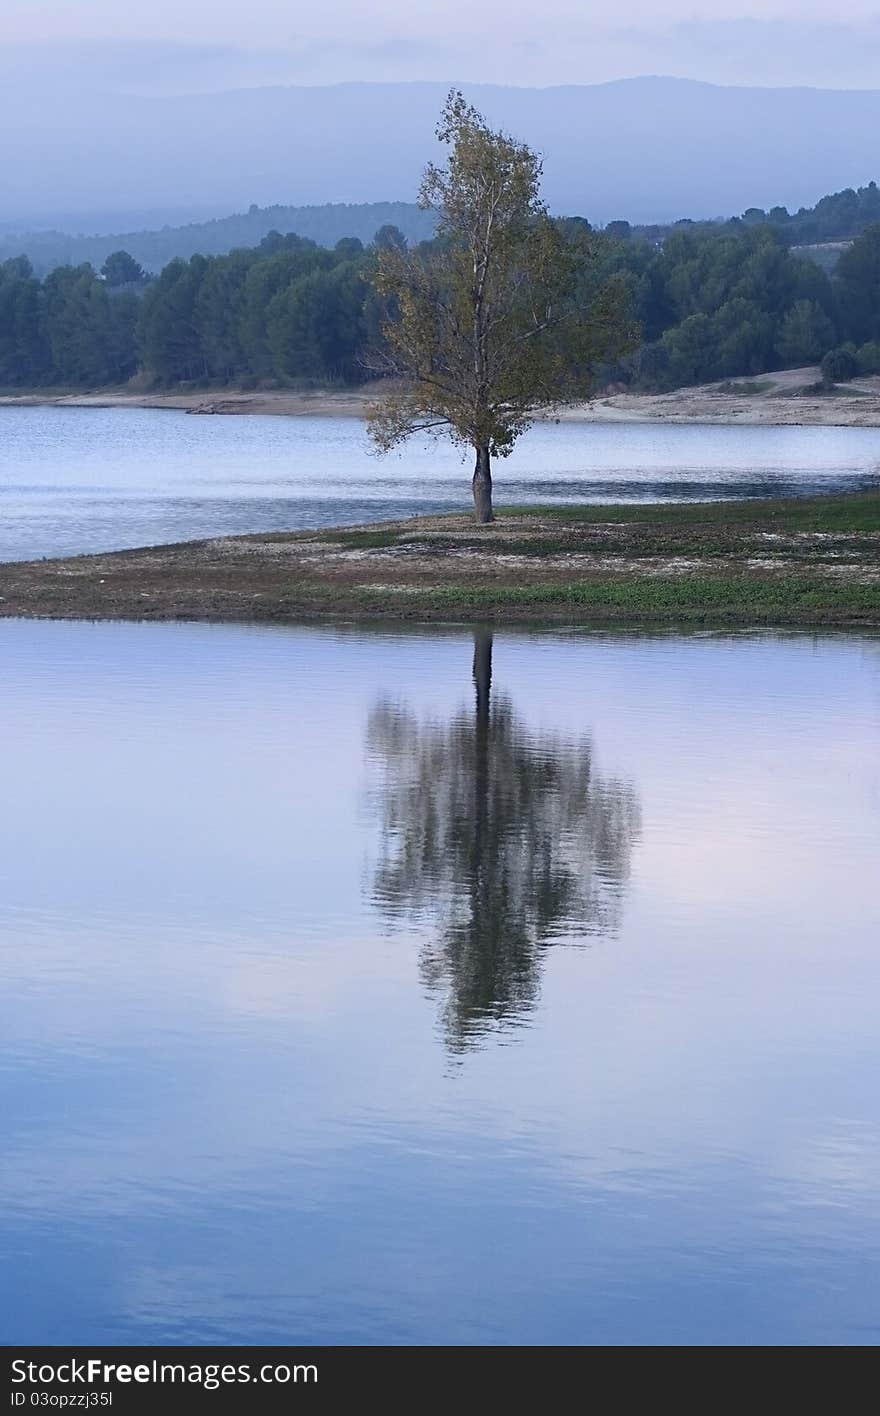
(788, 562)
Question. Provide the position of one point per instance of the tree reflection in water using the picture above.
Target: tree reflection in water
(505, 838)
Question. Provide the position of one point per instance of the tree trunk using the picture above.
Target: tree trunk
(480, 883)
(483, 679)
(483, 488)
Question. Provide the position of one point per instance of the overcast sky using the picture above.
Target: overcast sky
(179, 45)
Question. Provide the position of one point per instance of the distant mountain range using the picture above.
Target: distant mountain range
(648, 149)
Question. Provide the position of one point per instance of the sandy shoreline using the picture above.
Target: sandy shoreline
(779, 399)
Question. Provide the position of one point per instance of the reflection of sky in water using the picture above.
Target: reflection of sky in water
(74, 479)
(230, 1109)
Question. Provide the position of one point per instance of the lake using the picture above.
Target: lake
(74, 480)
(386, 987)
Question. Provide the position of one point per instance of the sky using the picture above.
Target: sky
(205, 45)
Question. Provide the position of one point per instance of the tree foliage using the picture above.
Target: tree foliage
(858, 287)
(839, 365)
(121, 269)
(841, 216)
(484, 324)
(805, 333)
(717, 302)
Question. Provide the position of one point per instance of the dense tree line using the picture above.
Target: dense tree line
(838, 217)
(285, 311)
(75, 327)
(288, 311)
(712, 302)
(718, 303)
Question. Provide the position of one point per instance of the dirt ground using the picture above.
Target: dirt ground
(798, 561)
(784, 398)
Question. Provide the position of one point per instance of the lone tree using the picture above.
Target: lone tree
(504, 314)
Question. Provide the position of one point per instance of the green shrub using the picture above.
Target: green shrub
(838, 366)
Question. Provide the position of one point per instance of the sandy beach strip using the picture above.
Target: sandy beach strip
(786, 398)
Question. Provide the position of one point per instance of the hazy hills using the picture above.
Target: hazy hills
(822, 231)
(154, 249)
(649, 149)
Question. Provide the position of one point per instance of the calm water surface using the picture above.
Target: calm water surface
(74, 480)
(414, 988)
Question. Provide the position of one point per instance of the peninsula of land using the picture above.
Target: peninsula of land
(798, 561)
